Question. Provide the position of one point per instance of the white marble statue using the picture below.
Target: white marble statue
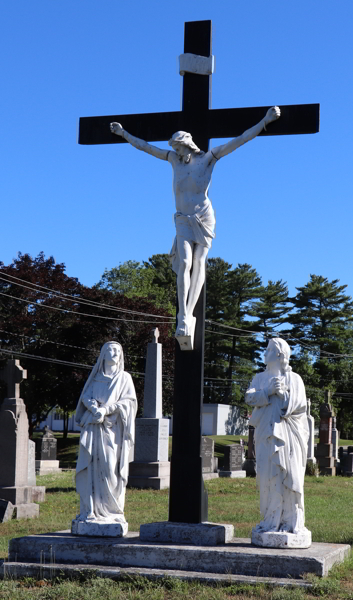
(194, 219)
(281, 441)
(106, 414)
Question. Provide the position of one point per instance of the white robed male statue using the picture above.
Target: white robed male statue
(281, 442)
(194, 219)
(106, 414)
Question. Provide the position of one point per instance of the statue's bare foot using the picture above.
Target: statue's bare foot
(185, 333)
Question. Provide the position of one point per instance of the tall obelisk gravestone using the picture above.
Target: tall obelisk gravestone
(188, 501)
(151, 468)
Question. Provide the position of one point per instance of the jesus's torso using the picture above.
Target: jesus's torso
(191, 182)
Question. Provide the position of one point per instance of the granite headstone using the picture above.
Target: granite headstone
(46, 447)
(233, 461)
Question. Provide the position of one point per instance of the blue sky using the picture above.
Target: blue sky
(283, 204)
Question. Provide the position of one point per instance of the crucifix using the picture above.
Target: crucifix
(13, 374)
(188, 498)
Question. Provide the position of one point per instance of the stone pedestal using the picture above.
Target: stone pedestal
(233, 474)
(96, 529)
(155, 475)
(151, 468)
(281, 539)
(43, 467)
(197, 534)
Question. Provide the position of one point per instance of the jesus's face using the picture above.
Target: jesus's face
(181, 149)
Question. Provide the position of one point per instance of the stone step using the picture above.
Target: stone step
(16, 570)
(238, 557)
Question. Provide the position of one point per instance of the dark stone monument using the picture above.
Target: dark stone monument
(14, 486)
(324, 449)
(46, 461)
(233, 461)
(249, 465)
(345, 456)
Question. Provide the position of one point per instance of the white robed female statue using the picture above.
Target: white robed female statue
(281, 442)
(106, 414)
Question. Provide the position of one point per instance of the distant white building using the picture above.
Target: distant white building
(217, 419)
(55, 422)
(223, 419)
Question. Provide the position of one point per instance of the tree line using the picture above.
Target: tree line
(241, 314)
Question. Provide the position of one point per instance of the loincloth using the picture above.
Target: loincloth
(196, 229)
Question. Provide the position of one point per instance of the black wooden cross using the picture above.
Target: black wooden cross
(187, 498)
(13, 374)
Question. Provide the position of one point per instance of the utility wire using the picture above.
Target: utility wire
(74, 298)
(66, 310)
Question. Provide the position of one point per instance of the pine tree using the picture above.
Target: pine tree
(321, 333)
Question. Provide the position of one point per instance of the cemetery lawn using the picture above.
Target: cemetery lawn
(329, 510)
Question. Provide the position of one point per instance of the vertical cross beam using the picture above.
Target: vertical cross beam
(13, 374)
(188, 501)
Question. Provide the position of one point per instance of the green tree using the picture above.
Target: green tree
(153, 279)
(321, 335)
(232, 293)
(70, 324)
(271, 309)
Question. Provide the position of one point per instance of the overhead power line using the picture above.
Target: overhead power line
(66, 310)
(36, 288)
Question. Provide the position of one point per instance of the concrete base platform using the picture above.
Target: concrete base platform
(233, 474)
(17, 570)
(236, 558)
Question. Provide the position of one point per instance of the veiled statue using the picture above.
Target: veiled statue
(278, 398)
(106, 415)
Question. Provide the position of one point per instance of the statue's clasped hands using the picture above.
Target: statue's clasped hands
(99, 415)
(276, 387)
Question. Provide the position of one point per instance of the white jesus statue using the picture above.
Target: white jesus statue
(194, 217)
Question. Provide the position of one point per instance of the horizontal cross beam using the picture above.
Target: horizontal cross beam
(214, 123)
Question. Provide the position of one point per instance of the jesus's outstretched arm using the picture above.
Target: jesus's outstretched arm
(271, 115)
(137, 143)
